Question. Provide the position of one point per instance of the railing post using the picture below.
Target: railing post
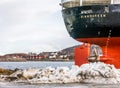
(81, 2)
(112, 2)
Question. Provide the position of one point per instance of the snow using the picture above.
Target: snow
(97, 72)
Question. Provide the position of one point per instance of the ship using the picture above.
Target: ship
(96, 23)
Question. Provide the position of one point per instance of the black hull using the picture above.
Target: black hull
(97, 21)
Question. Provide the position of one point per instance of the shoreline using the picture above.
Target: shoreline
(41, 61)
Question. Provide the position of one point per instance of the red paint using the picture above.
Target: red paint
(81, 54)
(111, 53)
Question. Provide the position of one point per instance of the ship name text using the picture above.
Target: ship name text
(93, 16)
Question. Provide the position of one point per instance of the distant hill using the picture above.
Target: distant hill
(69, 50)
(36, 57)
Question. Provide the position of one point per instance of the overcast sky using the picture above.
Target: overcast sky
(32, 26)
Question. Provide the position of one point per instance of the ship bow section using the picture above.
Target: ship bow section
(93, 22)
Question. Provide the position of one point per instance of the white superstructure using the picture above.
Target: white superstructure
(116, 1)
(74, 3)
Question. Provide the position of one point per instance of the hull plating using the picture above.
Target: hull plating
(97, 24)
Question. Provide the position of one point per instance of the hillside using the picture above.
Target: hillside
(69, 50)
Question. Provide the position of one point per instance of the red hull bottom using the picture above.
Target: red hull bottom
(110, 48)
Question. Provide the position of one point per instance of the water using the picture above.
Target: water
(37, 64)
(24, 65)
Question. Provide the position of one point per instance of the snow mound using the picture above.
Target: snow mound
(97, 72)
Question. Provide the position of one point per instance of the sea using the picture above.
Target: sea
(44, 64)
(35, 64)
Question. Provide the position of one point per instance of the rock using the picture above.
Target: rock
(6, 71)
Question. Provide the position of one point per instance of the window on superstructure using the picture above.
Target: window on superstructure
(116, 1)
(96, 2)
(70, 3)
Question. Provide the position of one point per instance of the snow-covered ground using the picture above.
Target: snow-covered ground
(98, 72)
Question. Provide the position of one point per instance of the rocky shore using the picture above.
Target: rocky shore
(88, 73)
